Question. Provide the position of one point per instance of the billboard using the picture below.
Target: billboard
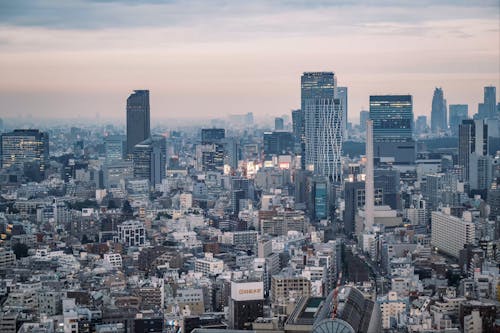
(247, 291)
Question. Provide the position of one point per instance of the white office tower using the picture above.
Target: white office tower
(323, 121)
(369, 180)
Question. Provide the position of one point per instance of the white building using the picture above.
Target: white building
(132, 233)
(449, 233)
(113, 259)
(209, 265)
(393, 309)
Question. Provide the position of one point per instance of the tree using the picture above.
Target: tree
(127, 209)
(20, 250)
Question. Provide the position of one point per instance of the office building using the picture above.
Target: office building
(27, 150)
(488, 109)
(279, 124)
(392, 117)
(387, 182)
(449, 233)
(115, 147)
(472, 139)
(150, 159)
(138, 119)
(323, 121)
(458, 113)
(212, 135)
(287, 288)
(278, 143)
(438, 113)
(246, 303)
(208, 265)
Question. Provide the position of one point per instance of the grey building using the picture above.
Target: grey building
(458, 112)
(115, 147)
(138, 119)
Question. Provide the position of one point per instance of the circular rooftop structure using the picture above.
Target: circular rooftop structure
(332, 326)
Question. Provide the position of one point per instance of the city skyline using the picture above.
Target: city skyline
(60, 61)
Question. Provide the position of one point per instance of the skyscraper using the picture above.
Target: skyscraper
(458, 112)
(392, 117)
(472, 139)
(421, 124)
(488, 109)
(438, 113)
(25, 147)
(370, 178)
(150, 159)
(322, 112)
(138, 119)
(212, 135)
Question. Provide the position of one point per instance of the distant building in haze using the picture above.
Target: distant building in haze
(438, 113)
(114, 147)
(488, 109)
(458, 112)
(343, 96)
(421, 124)
(323, 121)
(279, 124)
(26, 149)
(138, 119)
(278, 143)
(392, 117)
(150, 159)
(363, 117)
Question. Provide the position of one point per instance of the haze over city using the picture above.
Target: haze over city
(201, 59)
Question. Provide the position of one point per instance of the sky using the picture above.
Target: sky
(206, 59)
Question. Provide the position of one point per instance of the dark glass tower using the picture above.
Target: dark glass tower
(392, 117)
(138, 119)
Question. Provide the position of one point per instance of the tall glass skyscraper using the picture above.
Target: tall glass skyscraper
(138, 119)
(488, 109)
(438, 113)
(392, 117)
(322, 112)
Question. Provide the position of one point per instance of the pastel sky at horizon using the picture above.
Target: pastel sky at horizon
(205, 59)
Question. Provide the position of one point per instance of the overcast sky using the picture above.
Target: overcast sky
(75, 58)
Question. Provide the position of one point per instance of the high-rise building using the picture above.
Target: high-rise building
(246, 303)
(150, 159)
(363, 117)
(438, 113)
(114, 147)
(323, 121)
(458, 112)
(488, 109)
(343, 96)
(421, 124)
(26, 149)
(138, 119)
(279, 124)
(212, 135)
(392, 117)
(472, 139)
